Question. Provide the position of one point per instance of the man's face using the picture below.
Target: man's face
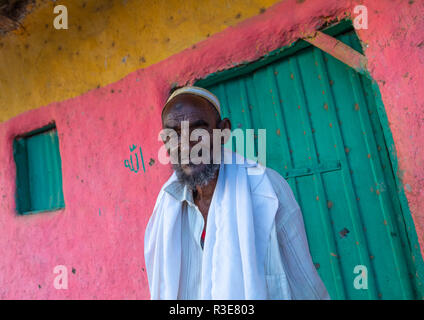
(199, 114)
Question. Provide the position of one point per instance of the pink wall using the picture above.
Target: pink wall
(100, 233)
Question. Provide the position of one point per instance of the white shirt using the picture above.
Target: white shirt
(290, 272)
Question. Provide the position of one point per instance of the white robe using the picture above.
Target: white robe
(235, 262)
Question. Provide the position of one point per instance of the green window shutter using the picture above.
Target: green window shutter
(39, 172)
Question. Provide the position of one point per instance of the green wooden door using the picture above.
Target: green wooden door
(324, 136)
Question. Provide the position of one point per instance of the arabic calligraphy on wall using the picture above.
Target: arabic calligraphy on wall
(130, 164)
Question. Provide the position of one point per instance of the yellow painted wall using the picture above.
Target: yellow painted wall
(106, 40)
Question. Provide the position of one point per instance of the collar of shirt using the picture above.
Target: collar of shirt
(180, 192)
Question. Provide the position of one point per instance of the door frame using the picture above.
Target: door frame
(414, 261)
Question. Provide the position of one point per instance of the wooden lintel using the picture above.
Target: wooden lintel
(338, 50)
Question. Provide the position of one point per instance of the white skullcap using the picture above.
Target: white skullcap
(197, 91)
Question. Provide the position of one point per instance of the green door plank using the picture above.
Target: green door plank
(383, 197)
(353, 252)
(303, 109)
(389, 181)
(270, 112)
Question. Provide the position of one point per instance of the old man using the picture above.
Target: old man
(224, 230)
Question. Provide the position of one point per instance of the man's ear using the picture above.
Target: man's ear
(224, 124)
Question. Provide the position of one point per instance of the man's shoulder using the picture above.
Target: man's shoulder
(281, 187)
(279, 184)
(169, 186)
(258, 178)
